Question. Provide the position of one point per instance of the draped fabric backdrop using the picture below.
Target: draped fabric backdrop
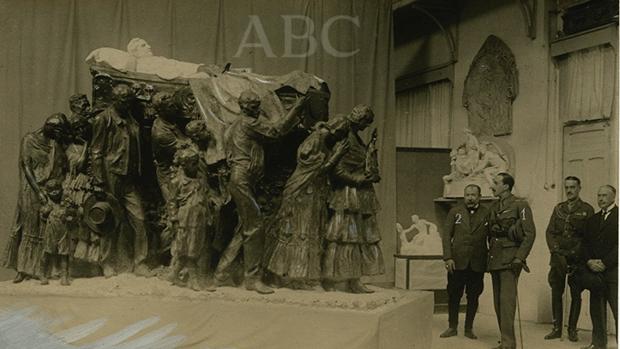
(44, 43)
(423, 116)
(587, 80)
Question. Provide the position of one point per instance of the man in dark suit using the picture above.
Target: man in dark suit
(600, 256)
(512, 235)
(564, 240)
(464, 242)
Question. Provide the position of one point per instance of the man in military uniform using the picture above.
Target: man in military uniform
(465, 254)
(511, 239)
(563, 238)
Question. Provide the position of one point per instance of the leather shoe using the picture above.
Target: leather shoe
(555, 333)
(19, 277)
(572, 335)
(450, 332)
(592, 346)
(469, 333)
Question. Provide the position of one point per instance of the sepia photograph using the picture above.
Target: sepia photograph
(309, 174)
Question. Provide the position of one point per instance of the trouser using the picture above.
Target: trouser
(248, 231)
(472, 283)
(557, 281)
(598, 312)
(505, 302)
(124, 190)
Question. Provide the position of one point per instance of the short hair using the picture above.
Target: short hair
(573, 178)
(610, 187)
(507, 179)
(473, 186)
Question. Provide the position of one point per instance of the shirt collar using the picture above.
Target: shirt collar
(608, 209)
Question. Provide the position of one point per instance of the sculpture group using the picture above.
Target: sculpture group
(86, 202)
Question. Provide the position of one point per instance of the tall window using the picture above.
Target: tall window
(423, 116)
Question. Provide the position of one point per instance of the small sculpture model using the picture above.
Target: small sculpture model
(353, 235)
(474, 162)
(303, 215)
(425, 241)
(57, 218)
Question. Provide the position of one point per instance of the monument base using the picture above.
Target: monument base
(455, 189)
(132, 312)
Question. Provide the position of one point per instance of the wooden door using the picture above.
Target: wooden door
(587, 154)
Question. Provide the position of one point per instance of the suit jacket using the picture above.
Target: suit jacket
(464, 237)
(600, 241)
(512, 232)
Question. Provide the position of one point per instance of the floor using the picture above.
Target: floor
(485, 328)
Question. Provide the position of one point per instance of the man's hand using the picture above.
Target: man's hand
(596, 265)
(450, 265)
(516, 264)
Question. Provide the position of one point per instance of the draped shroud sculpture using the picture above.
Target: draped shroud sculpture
(201, 176)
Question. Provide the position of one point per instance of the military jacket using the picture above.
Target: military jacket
(566, 228)
(512, 232)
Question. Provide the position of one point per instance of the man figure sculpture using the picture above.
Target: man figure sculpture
(465, 254)
(116, 159)
(245, 157)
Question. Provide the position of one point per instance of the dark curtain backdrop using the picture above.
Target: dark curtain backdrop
(44, 43)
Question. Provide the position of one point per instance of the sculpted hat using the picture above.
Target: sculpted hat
(102, 215)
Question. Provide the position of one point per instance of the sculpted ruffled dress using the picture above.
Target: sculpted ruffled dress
(352, 233)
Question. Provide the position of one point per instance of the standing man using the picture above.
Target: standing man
(465, 253)
(600, 256)
(564, 239)
(246, 161)
(512, 237)
(116, 159)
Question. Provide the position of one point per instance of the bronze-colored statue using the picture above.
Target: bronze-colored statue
(116, 162)
(492, 84)
(166, 136)
(353, 235)
(42, 158)
(57, 217)
(302, 217)
(246, 161)
(190, 216)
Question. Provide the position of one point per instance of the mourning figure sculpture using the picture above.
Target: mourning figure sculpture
(302, 217)
(57, 217)
(42, 158)
(190, 216)
(166, 136)
(116, 162)
(245, 156)
(352, 236)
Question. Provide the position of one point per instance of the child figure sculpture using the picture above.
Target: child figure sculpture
(190, 216)
(58, 217)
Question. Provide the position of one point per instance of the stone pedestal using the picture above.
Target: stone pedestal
(132, 312)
